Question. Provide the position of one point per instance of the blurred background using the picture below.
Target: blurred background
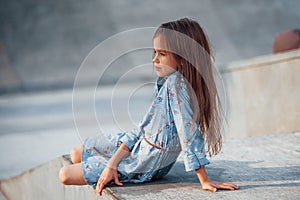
(43, 43)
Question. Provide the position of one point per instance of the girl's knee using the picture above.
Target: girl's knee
(64, 175)
(72, 175)
(76, 154)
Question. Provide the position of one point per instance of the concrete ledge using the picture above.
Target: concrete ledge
(266, 167)
(42, 183)
(262, 95)
(262, 61)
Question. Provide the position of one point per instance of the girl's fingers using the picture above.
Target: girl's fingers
(226, 186)
(102, 182)
(235, 186)
(100, 185)
(117, 180)
(229, 186)
(214, 186)
(210, 188)
(100, 189)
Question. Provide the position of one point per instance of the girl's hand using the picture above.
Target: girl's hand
(213, 186)
(107, 175)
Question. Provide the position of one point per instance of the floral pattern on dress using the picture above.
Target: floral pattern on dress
(167, 124)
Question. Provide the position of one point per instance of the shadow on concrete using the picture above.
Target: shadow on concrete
(228, 171)
(244, 171)
(251, 179)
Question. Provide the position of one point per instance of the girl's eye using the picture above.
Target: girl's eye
(160, 53)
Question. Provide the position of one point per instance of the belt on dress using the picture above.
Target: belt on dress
(155, 146)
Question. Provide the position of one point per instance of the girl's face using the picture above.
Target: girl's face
(163, 61)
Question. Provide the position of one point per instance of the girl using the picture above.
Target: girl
(184, 117)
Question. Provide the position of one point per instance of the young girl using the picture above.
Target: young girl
(184, 117)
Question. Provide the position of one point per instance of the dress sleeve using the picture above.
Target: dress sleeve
(131, 137)
(191, 140)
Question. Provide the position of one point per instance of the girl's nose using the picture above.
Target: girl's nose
(155, 59)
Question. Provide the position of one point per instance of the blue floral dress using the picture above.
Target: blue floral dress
(165, 131)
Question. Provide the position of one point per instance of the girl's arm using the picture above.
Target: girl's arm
(213, 185)
(110, 172)
(192, 144)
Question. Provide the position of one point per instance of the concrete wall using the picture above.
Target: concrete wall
(263, 95)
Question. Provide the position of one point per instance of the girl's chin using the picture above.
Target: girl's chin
(160, 74)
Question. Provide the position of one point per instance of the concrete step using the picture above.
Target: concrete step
(265, 167)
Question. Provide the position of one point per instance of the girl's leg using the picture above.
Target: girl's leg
(76, 154)
(72, 175)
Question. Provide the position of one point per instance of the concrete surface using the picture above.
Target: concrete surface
(265, 167)
(43, 43)
(262, 94)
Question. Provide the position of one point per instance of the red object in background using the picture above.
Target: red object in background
(287, 40)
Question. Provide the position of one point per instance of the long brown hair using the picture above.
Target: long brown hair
(189, 45)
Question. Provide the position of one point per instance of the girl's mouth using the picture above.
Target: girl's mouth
(157, 68)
